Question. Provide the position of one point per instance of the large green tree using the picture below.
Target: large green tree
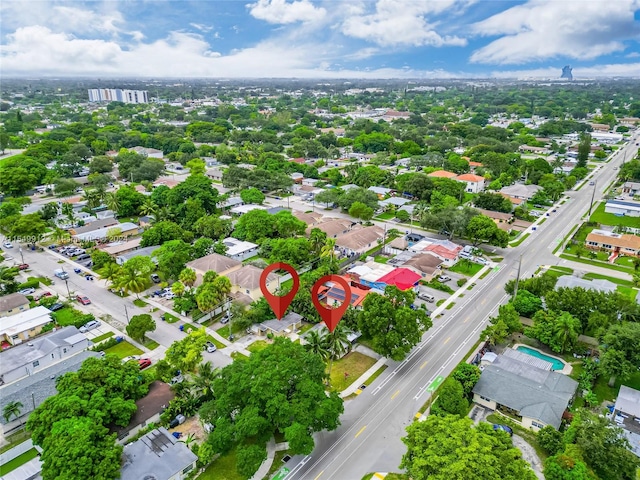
(621, 345)
(139, 325)
(452, 448)
(287, 396)
(391, 323)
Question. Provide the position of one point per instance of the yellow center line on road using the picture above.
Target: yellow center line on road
(319, 475)
(424, 365)
(483, 301)
(395, 395)
(359, 432)
(467, 319)
(446, 341)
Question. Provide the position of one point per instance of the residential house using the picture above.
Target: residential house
(396, 246)
(445, 250)
(516, 202)
(28, 358)
(297, 177)
(333, 227)
(521, 191)
(12, 304)
(534, 396)
(158, 455)
(218, 263)
(350, 186)
(238, 249)
(626, 414)
(475, 183)
(382, 192)
(310, 182)
(242, 209)
(359, 241)
(145, 221)
(631, 188)
(126, 229)
(426, 264)
(623, 209)
(402, 278)
(395, 202)
(310, 218)
(23, 326)
(442, 174)
(119, 248)
(148, 410)
(290, 323)
(247, 281)
(571, 281)
(31, 391)
(333, 292)
(306, 191)
(369, 275)
(215, 174)
(149, 152)
(231, 202)
(498, 217)
(620, 244)
(140, 252)
(95, 225)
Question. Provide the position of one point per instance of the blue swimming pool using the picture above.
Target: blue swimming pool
(555, 363)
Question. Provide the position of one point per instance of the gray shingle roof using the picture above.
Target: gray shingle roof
(11, 301)
(31, 391)
(535, 393)
(286, 322)
(156, 455)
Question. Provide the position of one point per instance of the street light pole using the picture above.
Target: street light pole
(515, 289)
(21, 254)
(593, 194)
(126, 312)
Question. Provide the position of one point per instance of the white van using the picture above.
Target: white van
(426, 297)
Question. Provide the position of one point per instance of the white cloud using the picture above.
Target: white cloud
(543, 29)
(202, 27)
(398, 22)
(282, 12)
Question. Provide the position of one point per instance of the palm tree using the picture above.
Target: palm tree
(209, 276)
(11, 409)
(93, 198)
(111, 201)
(188, 277)
(110, 272)
(131, 280)
(67, 209)
(203, 381)
(7, 274)
(565, 330)
(162, 213)
(329, 251)
(316, 342)
(317, 238)
(148, 207)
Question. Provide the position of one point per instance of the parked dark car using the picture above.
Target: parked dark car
(84, 256)
(497, 426)
(155, 278)
(56, 306)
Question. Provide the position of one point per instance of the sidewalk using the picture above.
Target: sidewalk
(461, 290)
(272, 448)
(363, 378)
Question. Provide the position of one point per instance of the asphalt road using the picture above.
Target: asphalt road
(369, 438)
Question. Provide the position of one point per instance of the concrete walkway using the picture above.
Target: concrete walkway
(272, 448)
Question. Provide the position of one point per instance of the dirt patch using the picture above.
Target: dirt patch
(191, 426)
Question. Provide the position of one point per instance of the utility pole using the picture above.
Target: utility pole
(126, 312)
(593, 194)
(21, 254)
(515, 290)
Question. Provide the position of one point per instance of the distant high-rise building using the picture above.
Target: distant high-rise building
(118, 95)
(566, 72)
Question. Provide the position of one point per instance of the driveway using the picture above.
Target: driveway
(529, 454)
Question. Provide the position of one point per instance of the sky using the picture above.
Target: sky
(320, 38)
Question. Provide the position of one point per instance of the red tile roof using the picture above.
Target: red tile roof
(403, 278)
(442, 174)
(470, 177)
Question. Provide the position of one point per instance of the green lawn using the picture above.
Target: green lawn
(305, 327)
(596, 263)
(381, 259)
(617, 281)
(238, 356)
(18, 461)
(104, 336)
(140, 303)
(466, 268)
(124, 349)
(604, 218)
(216, 342)
(385, 216)
(277, 462)
(151, 344)
(223, 468)
(67, 316)
(375, 375)
(169, 318)
(235, 329)
(15, 439)
(257, 346)
(355, 364)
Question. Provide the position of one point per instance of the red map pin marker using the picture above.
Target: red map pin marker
(278, 304)
(331, 316)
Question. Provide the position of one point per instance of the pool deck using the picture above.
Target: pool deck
(567, 367)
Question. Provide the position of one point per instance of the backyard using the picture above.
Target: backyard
(223, 468)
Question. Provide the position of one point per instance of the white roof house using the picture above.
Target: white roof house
(103, 233)
(242, 209)
(12, 326)
(238, 249)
